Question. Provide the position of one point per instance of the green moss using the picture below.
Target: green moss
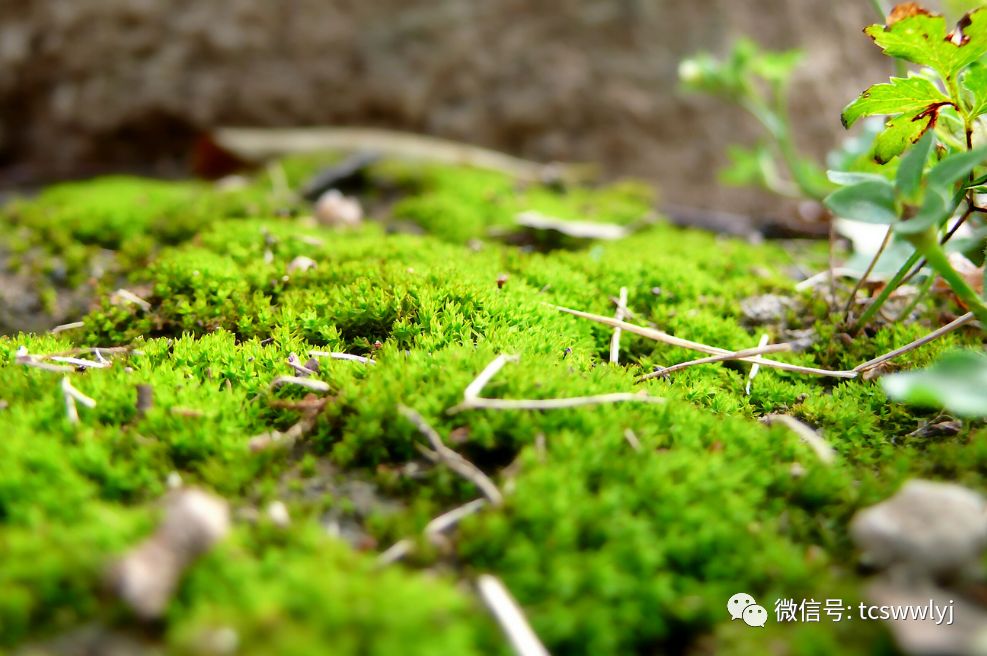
(263, 588)
(461, 204)
(609, 550)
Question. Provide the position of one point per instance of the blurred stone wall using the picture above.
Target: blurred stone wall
(129, 82)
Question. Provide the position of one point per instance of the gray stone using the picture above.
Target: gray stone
(927, 529)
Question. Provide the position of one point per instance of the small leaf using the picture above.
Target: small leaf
(871, 201)
(956, 167)
(912, 165)
(900, 133)
(957, 383)
(920, 37)
(975, 83)
(912, 102)
(902, 95)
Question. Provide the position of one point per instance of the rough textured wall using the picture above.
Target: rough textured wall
(128, 82)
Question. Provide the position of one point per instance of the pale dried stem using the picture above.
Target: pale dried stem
(307, 383)
(66, 326)
(671, 340)
(922, 341)
(631, 438)
(510, 616)
(453, 460)
(473, 390)
(615, 340)
(341, 356)
(473, 401)
(815, 441)
(447, 520)
(552, 404)
(736, 355)
(755, 368)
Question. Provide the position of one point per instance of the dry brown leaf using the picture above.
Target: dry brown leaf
(906, 10)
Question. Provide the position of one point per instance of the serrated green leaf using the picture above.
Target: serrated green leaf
(957, 383)
(912, 165)
(935, 209)
(975, 84)
(899, 133)
(922, 39)
(902, 95)
(956, 167)
(870, 201)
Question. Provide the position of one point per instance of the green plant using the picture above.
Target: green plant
(933, 116)
(958, 383)
(758, 81)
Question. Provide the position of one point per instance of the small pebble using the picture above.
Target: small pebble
(277, 512)
(927, 529)
(301, 263)
(335, 209)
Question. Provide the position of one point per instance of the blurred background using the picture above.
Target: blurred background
(130, 85)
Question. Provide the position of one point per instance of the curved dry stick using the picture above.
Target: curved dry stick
(671, 340)
(551, 404)
(737, 355)
(451, 459)
(921, 341)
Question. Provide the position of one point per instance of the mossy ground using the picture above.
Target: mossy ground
(609, 550)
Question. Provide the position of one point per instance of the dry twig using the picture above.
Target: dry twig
(631, 438)
(72, 395)
(451, 459)
(395, 552)
(922, 341)
(815, 441)
(121, 296)
(66, 326)
(341, 356)
(510, 617)
(473, 401)
(615, 340)
(671, 340)
(295, 363)
(447, 520)
(755, 367)
(23, 357)
(314, 385)
(736, 355)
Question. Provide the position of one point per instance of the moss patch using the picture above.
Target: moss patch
(610, 550)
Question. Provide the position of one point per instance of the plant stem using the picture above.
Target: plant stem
(778, 124)
(949, 235)
(879, 8)
(885, 293)
(870, 269)
(919, 295)
(927, 242)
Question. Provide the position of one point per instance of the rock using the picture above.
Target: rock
(954, 626)
(545, 72)
(146, 576)
(335, 209)
(769, 308)
(301, 263)
(927, 529)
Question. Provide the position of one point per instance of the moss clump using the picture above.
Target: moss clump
(610, 550)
